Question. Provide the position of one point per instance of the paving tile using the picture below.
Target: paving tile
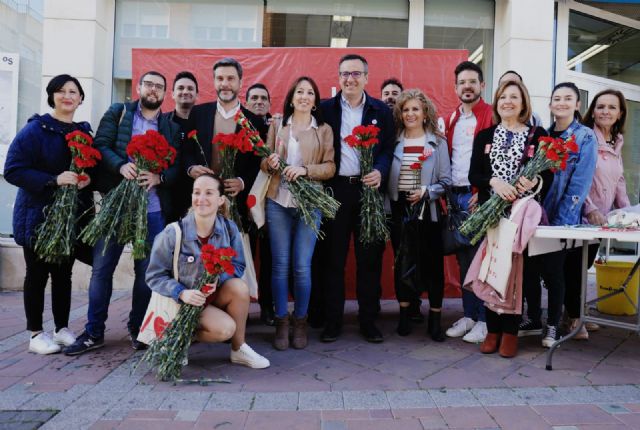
(463, 418)
(620, 393)
(410, 399)
(416, 413)
(614, 408)
(222, 420)
(105, 425)
(365, 400)
(333, 425)
(456, 397)
(603, 427)
(320, 400)
(230, 401)
(574, 414)
(282, 420)
(517, 418)
(540, 396)
(137, 414)
(187, 415)
(190, 401)
(633, 407)
(356, 414)
(381, 414)
(578, 395)
(460, 378)
(275, 402)
(155, 425)
(631, 420)
(497, 396)
(433, 422)
(74, 419)
(373, 380)
(385, 424)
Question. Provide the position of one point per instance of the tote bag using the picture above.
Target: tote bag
(257, 197)
(162, 309)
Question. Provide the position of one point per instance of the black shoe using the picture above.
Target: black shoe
(267, 316)
(331, 333)
(434, 327)
(371, 333)
(135, 343)
(529, 328)
(84, 343)
(414, 312)
(404, 326)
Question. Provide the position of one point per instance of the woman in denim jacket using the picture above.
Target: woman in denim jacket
(226, 307)
(563, 206)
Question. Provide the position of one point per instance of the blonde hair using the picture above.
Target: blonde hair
(428, 109)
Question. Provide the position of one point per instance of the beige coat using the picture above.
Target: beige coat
(316, 150)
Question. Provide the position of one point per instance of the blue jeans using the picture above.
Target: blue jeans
(101, 284)
(472, 305)
(292, 242)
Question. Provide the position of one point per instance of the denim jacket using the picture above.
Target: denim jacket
(570, 187)
(160, 271)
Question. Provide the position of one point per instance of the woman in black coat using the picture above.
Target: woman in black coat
(37, 163)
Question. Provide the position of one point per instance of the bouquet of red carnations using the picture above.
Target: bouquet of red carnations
(229, 145)
(168, 353)
(308, 195)
(552, 154)
(373, 221)
(123, 210)
(56, 236)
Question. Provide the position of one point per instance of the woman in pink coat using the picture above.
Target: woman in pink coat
(606, 115)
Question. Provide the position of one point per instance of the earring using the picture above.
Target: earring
(290, 104)
(313, 108)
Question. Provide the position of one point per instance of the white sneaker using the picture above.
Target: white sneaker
(64, 337)
(477, 333)
(551, 337)
(248, 357)
(461, 327)
(43, 344)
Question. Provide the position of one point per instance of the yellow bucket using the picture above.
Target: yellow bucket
(609, 277)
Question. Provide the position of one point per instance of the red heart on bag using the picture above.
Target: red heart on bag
(251, 201)
(159, 325)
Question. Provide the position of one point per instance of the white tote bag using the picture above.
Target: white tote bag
(496, 264)
(249, 276)
(161, 309)
(257, 197)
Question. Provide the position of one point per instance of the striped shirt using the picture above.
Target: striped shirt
(410, 179)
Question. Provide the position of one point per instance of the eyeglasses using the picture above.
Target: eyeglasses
(354, 75)
(149, 85)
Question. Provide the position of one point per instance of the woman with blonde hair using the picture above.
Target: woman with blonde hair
(419, 173)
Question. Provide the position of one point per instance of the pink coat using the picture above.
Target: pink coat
(608, 189)
(528, 219)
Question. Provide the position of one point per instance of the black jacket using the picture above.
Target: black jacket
(375, 112)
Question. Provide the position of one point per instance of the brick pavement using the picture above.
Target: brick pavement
(403, 383)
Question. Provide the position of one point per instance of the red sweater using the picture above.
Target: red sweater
(483, 113)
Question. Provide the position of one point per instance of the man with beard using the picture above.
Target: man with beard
(390, 90)
(121, 122)
(218, 117)
(471, 116)
(184, 94)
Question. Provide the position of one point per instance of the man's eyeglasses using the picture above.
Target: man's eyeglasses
(354, 75)
(149, 85)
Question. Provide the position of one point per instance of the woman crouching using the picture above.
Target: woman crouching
(226, 306)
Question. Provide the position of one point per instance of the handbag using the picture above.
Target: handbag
(249, 275)
(257, 197)
(452, 239)
(495, 269)
(161, 309)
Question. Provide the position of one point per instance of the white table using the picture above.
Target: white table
(582, 235)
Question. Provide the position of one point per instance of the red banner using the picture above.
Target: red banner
(431, 70)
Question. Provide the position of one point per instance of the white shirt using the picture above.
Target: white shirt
(462, 147)
(294, 158)
(351, 118)
(226, 115)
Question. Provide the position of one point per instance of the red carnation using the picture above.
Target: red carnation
(193, 134)
(416, 166)
(251, 201)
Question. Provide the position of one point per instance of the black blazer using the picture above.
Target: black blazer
(375, 112)
(247, 164)
(481, 172)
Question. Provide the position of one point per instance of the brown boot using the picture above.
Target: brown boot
(490, 343)
(509, 345)
(281, 341)
(299, 340)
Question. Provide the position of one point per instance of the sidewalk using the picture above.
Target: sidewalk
(403, 383)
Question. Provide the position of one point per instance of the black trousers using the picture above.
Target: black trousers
(35, 282)
(368, 258)
(428, 248)
(573, 278)
(549, 267)
(505, 323)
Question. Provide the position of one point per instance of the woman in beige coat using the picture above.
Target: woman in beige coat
(305, 143)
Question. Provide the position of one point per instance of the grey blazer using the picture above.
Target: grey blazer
(435, 174)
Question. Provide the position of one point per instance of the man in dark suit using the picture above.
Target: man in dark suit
(352, 107)
(218, 117)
